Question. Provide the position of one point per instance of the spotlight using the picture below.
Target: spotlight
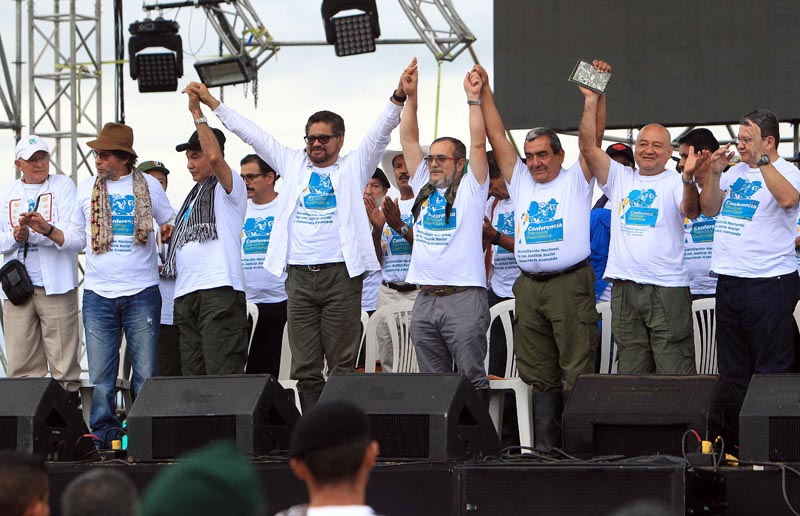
(155, 71)
(351, 34)
(227, 70)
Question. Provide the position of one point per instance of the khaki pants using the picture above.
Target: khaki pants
(43, 336)
(388, 296)
(652, 327)
(555, 334)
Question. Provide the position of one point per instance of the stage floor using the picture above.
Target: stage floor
(511, 488)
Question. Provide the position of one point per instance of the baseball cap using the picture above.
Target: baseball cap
(380, 176)
(194, 141)
(620, 149)
(153, 166)
(30, 145)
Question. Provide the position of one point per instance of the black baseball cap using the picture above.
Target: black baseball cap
(194, 141)
(620, 149)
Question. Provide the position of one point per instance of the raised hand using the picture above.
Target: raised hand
(600, 66)
(391, 212)
(408, 79)
(203, 95)
(695, 161)
(757, 144)
(720, 159)
(481, 71)
(374, 215)
(473, 85)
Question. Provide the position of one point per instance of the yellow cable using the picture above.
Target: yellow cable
(438, 90)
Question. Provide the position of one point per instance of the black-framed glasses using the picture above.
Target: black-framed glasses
(103, 155)
(321, 138)
(441, 159)
(250, 177)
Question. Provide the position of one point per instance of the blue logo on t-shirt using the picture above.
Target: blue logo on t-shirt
(435, 214)
(256, 235)
(636, 208)
(397, 244)
(505, 226)
(739, 205)
(122, 214)
(702, 231)
(321, 195)
(543, 227)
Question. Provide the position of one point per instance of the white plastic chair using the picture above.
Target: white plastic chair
(511, 381)
(398, 318)
(362, 342)
(705, 335)
(252, 313)
(609, 354)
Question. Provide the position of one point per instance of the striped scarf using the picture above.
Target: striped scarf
(100, 216)
(200, 226)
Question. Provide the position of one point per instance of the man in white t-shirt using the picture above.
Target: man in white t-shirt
(757, 289)
(556, 334)
(321, 233)
(393, 246)
(204, 255)
(698, 233)
(451, 313)
(651, 307)
(262, 288)
(114, 213)
(42, 334)
(169, 337)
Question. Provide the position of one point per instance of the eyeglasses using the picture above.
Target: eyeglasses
(41, 158)
(322, 138)
(103, 155)
(441, 159)
(746, 140)
(250, 177)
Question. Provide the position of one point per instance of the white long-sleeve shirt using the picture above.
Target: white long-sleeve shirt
(58, 267)
(353, 172)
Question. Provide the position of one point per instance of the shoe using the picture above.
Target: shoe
(547, 410)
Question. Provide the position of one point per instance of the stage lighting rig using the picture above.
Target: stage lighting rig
(155, 71)
(353, 33)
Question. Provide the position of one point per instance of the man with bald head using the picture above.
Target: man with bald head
(651, 307)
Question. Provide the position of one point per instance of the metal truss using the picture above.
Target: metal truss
(65, 82)
(446, 41)
(251, 39)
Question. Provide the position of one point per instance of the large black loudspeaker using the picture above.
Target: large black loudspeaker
(769, 423)
(647, 415)
(172, 416)
(37, 417)
(419, 416)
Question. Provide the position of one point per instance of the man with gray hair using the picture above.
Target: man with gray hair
(556, 334)
(100, 492)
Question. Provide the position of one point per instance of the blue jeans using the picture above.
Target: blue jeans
(139, 316)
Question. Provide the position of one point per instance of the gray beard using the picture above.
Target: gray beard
(442, 183)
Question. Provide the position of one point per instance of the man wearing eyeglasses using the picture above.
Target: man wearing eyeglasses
(556, 334)
(266, 290)
(321, 233)
(451, 312)
(758, 285)
(651, 305)
(121, 281)
(42, 334)
(204, 256)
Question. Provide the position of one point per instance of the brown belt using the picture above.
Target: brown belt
(545, 276)
(401, 287)
(442, 291)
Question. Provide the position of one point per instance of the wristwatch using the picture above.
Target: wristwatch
(763, 160)
(495, 238)
(403, 230)
(688, 181)
(201, 120)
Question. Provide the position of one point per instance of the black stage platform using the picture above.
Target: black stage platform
(510, 489)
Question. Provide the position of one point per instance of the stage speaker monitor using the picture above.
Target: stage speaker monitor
(769, 422)
(37, 417)
(416, 416)
(174, 415)
(635, 415)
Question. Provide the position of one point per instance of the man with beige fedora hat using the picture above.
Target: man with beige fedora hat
(114, 213)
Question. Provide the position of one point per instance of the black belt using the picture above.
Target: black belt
(443, 291)
(545, 276)
(401, 287)
(317, 267)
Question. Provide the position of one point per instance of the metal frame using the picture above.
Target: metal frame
(448, 40)
(65, 82)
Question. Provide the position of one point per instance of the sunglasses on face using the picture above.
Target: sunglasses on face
(441, 159)
(321, 138)
(250, 177)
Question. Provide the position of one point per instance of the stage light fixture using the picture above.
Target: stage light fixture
(227, 70)
(155, 71)
(354, 33)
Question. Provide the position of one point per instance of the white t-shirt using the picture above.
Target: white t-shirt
(449, 253)
(646, 227)
(698, 245)
(216, 263)
(341, 510)
(32, 264)
(396, 249)
(314, 229)
(261, 286)
(126, 268)
(754, 236)
(505, 270)
(369, 293)
(552, 219)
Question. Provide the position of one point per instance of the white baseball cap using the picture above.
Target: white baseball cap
(30, 145)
